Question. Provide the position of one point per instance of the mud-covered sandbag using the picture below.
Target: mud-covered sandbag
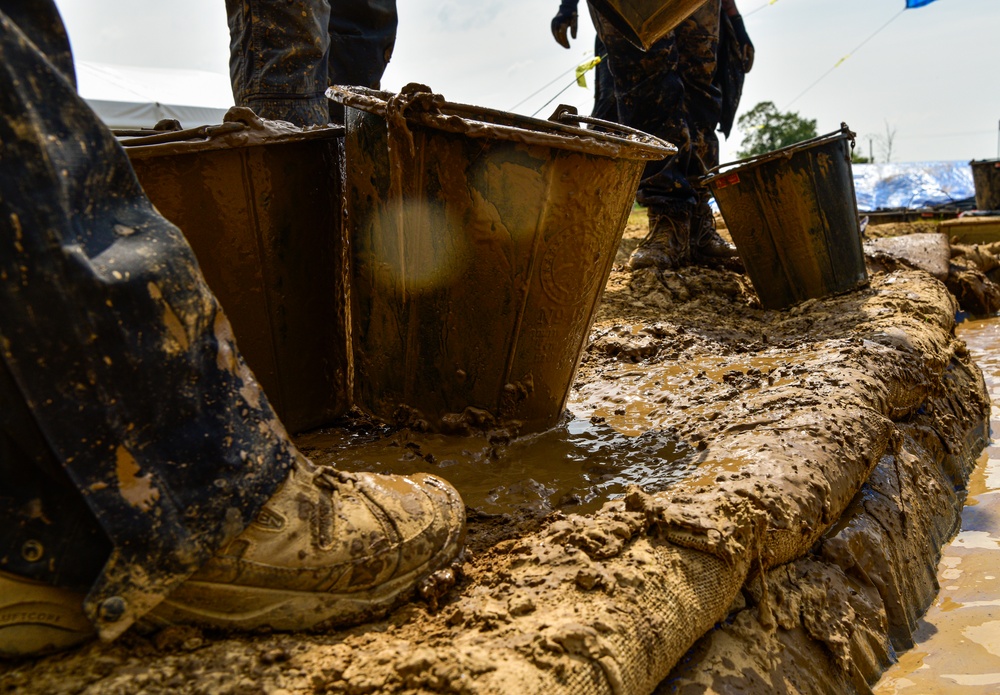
(839, 614)
(562, 611)
(823, 633)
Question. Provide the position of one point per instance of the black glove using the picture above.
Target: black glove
(565, 19)
(746, 46)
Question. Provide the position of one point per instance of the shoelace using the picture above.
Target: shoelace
(329, 478)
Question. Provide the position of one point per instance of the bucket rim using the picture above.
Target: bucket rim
(973, 162)
(241, 127)
(844, 133)
(419, 105)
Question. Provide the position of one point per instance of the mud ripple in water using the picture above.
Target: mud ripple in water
(576, 467)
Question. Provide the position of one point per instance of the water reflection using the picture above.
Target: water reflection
(575, 467)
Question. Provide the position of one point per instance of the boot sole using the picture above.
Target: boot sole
(37, 619)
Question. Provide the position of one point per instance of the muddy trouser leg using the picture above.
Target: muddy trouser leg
(283, 55)
(140, 409)
(658, 91)
(698, 45)
(605, 107)
(650, 96)
(278, 58)
(362, 36)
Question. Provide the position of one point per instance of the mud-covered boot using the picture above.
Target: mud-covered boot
(667, 245)
(706, 243)
(329, 548)
(37, 619)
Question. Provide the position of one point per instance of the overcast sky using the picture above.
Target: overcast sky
(930, 77)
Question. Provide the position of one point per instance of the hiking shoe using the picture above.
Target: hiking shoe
(329, 548)
(667, 245)
(37, 618)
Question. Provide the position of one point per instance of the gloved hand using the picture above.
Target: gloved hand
(565, 19)
(744, 38)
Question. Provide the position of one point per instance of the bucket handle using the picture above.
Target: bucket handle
(785, 152)
(568, 114)
(237, 119)
(204, 132)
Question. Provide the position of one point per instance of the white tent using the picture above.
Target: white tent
(137, 97)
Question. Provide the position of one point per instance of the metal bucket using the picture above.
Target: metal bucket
(260, 204)
(986, 177)
(793, 216)
(481, 242)
(644, 22)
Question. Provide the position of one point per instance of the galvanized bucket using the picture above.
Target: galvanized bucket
(986, 178)
(644, 22)
(481, 242)
(260, 204)
(793, 216)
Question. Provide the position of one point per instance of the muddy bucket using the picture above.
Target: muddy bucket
(986, 178)
(260, 204)
(794, 219)
(644, 22)
(480, 244)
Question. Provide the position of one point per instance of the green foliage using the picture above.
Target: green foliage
(859, 159)
(768, 129)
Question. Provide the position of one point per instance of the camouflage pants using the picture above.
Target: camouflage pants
(284, 53)
(668, 91)
(133, 439)
(605, 106)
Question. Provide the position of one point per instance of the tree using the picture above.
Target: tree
(768, 129)
(886, 141)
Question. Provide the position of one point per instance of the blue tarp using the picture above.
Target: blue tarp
(912, 184)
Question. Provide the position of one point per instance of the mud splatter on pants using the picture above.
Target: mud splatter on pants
(669, 91)
(134, 441)
(284, 53)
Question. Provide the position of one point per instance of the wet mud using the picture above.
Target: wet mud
(957, 650)
(741, 500)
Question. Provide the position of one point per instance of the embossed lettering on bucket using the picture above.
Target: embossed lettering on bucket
(794, 218)
(260, 204)
(480, 244)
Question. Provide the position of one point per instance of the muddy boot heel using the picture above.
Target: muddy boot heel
(37, 619)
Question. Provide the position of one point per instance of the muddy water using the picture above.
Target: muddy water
(958, 642)
(575, 467)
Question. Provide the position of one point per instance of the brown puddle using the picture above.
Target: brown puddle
(957, 648)
(575, 467)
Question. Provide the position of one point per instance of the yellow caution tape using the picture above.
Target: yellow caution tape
(583, 68)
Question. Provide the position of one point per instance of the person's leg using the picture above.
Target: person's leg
(362, 36)
(112, 337)
(278, 58)
(605, 107)
(48, 537)
(650, 97)
(698, 46)
(114, 344)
